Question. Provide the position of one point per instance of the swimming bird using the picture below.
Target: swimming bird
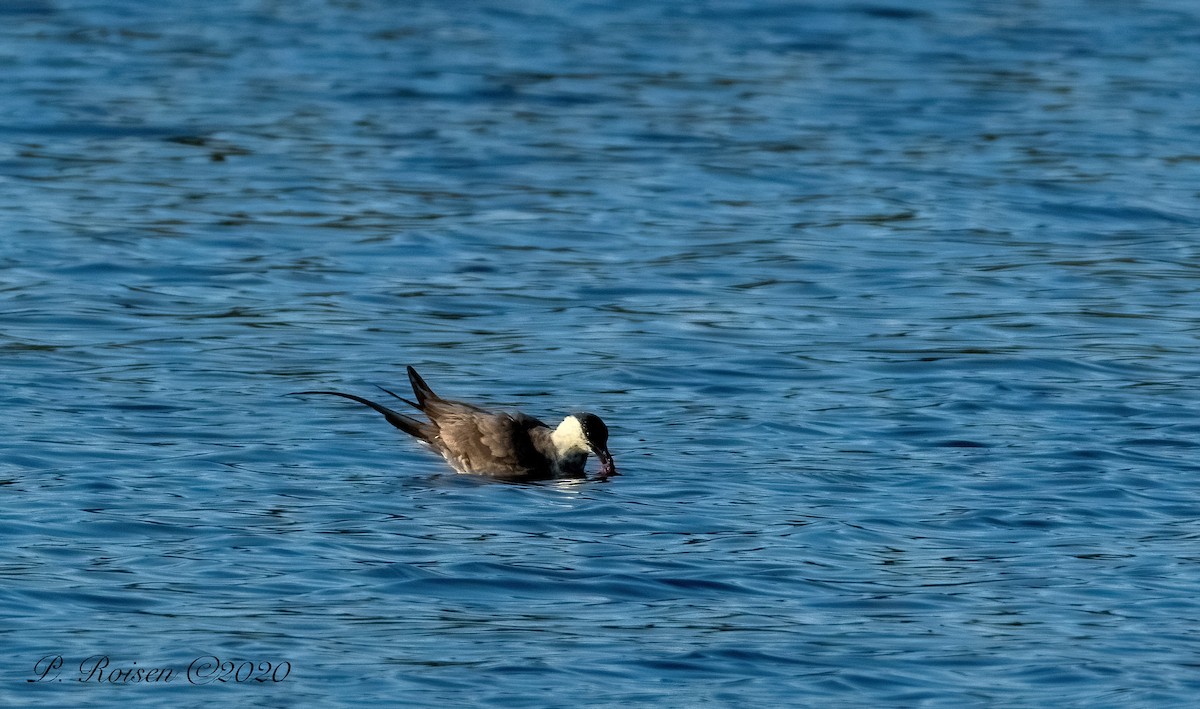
(499, 445)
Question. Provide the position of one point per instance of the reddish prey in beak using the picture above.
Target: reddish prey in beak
(607, 467)
(595, 434)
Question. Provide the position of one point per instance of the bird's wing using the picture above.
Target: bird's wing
(496, 443)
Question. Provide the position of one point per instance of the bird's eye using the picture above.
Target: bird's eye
(594, 429)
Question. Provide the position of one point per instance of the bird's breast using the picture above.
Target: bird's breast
(571, 464)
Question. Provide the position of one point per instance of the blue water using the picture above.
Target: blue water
(892, 309)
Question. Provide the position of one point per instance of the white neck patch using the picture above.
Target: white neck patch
(568, 437)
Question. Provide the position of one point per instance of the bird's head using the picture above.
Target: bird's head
(584, 432)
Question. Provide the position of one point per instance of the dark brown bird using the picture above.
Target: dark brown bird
(499, 445)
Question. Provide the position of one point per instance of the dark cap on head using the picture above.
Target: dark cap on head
(594, 429)
(596, 434)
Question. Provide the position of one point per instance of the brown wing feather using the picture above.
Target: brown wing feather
(482, 442)
(472, 439)
(420, 388)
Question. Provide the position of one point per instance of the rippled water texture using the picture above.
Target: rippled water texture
(891, 307)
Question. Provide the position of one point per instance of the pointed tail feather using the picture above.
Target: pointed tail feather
(401, 398)
(409, 425)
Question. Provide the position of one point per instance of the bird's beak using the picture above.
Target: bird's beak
(608, 467)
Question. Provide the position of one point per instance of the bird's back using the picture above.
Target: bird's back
(474, 440)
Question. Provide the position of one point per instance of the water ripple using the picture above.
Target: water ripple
(891, 313)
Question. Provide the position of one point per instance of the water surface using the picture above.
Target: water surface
(891, 309)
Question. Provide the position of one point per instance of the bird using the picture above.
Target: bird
(505, 446)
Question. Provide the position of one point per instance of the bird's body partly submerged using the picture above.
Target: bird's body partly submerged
(499, 445)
